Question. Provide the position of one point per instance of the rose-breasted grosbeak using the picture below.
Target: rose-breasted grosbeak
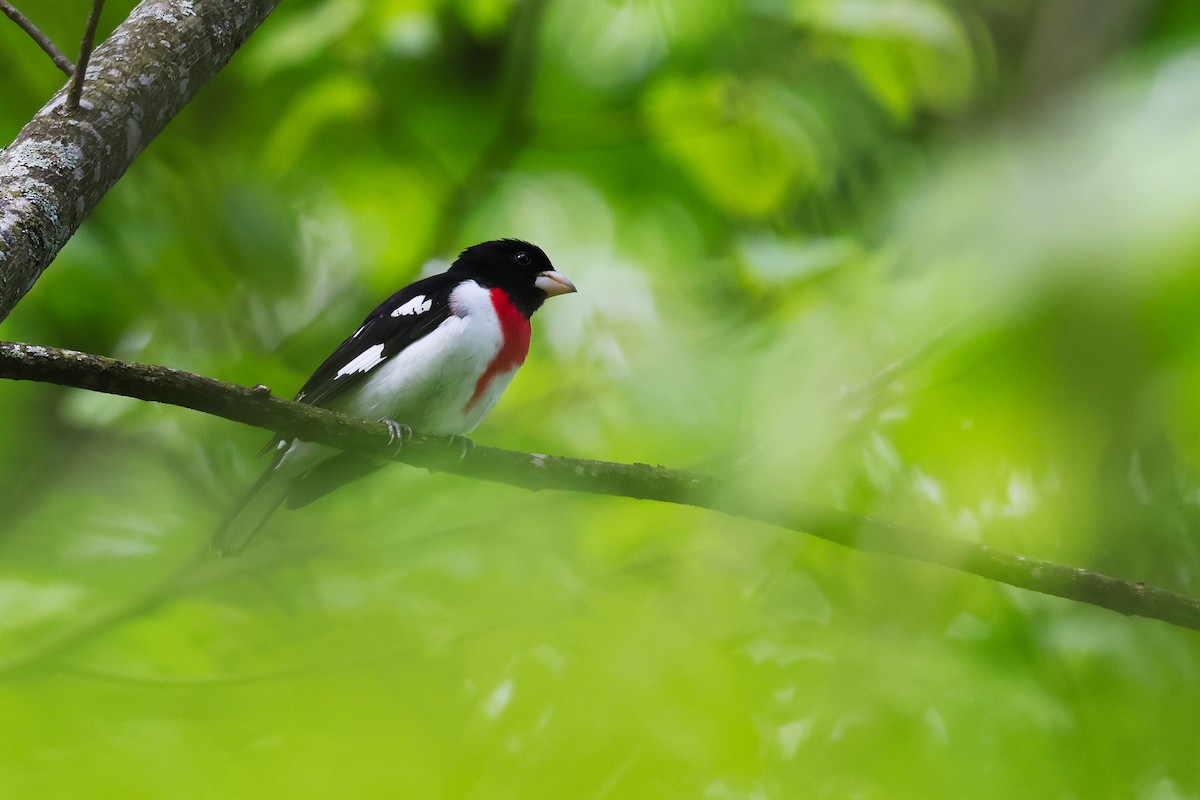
(435, 356)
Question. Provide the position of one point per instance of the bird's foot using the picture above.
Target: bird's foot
(397, 432)
(465, 447)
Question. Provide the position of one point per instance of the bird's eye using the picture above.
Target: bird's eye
(523, 259)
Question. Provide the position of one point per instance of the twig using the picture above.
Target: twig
(256, 406)
(56, 55)
(85, 54)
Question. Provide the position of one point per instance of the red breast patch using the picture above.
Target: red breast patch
(514, 331)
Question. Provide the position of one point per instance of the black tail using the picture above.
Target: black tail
(250, 515)
(330, 474)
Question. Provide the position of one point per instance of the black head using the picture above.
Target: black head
(519, 268)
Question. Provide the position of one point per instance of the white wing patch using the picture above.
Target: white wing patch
(428, 384)
(418, 305)
(363, 361)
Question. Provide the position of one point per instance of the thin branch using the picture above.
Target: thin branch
(56, 55)
(256, 406)
(85, 55)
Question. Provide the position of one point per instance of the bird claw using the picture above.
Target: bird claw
(465, 447)
(397, 432)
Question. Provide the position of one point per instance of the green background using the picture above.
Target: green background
(937, 262)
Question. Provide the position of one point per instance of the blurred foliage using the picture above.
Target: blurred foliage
(931, 260)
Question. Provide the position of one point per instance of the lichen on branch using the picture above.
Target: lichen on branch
(62, 162)
(258, 407)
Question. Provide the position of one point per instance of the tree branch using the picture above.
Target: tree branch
(256, 406)
(59, 166)
(56, 55)
(79, 74)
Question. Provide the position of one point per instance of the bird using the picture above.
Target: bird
(435, 356)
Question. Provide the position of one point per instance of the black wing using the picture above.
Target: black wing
(402, 319)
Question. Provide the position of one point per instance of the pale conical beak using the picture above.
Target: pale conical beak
(553, 282)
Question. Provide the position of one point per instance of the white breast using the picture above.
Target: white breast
(428, 385)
